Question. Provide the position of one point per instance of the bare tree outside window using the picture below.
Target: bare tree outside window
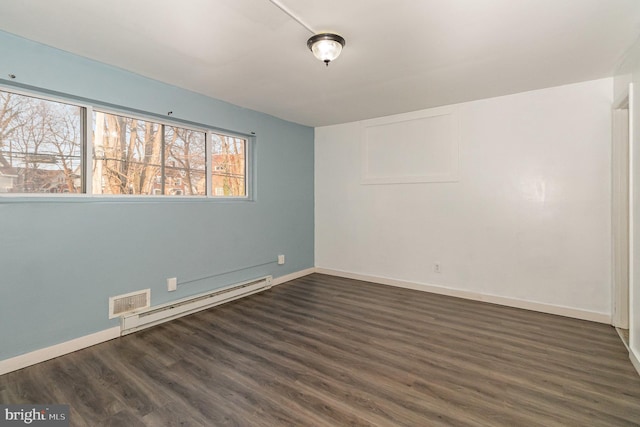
(185, 161)
(127, 154)
(228, 172)
(40, 145)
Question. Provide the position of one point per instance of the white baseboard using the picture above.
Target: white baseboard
(43, 354)
(296, 275)
(635, 360)
(624, 341)
(494, 299)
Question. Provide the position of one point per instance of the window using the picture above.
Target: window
(40, 145)
(42, 150)
(127, 154)
(141, 157)
(228, 158)
(185, 155)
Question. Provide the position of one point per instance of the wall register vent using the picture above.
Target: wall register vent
(128, 303)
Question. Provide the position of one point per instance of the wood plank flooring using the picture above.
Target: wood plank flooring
(327, 351)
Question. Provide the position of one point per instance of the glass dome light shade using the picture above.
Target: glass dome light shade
(326, 47)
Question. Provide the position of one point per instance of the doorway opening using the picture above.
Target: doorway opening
(620, 217)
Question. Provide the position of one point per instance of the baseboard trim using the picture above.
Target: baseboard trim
(635, 360)
(47, 353)
(622, 338)
(44, 354)
(494, 299)
(295, 275)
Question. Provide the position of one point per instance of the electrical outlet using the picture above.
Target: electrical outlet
(437, 268)
(280, 259)
(172, 284)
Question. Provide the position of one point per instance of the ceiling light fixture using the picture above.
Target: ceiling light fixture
(326, 46)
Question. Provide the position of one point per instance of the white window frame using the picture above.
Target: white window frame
(83, 146)
(87, 146)
(248, 161)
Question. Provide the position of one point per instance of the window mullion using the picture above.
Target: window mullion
(66, 162)
(208, 164)
(162, 159)
(87, 133)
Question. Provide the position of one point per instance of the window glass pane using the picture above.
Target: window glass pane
(228, 169)
(127, 155)
(184, 162)
(40, 145)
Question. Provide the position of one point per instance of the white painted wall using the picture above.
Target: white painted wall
(529, 218)
(629, 72)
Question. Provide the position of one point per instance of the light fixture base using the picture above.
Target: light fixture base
(326, 46)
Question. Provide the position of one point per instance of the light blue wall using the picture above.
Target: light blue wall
(60, 260)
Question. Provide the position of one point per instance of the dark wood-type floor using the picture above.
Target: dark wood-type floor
(326, 351)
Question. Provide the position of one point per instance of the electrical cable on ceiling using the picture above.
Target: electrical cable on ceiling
(291, 15)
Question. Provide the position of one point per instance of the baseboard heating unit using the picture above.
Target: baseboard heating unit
(137, 320)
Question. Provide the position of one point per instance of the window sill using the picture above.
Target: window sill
(85, 198)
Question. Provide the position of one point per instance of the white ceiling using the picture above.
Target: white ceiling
(401, 55)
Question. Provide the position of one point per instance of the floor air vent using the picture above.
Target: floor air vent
(140, 319)
(127, 303)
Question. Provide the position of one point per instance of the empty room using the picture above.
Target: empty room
(320, 213)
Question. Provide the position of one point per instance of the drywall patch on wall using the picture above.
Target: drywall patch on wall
(410, 148)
